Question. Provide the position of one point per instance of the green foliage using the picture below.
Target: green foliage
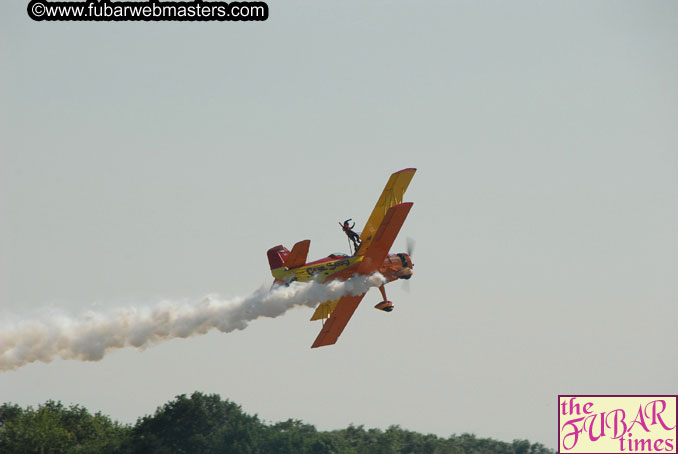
(199, 424)
(53, 428)
(207, 424)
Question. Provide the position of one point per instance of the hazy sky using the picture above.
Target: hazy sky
(149, 161)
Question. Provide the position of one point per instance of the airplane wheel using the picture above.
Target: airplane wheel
(385, 306)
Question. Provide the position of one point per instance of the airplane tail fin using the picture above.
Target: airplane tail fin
(297, 256)
(281, 260)
(277, 256)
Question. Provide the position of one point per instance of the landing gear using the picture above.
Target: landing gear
(385, 305)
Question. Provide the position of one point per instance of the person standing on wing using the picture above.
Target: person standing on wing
(354, 237)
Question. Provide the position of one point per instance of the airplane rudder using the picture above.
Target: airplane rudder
(276, 256)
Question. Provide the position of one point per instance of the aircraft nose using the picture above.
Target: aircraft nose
(405, 273)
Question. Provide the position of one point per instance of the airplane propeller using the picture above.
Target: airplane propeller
(411, 243)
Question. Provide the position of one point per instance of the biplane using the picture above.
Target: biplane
(372, 255)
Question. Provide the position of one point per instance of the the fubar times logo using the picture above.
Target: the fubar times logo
(617, 424)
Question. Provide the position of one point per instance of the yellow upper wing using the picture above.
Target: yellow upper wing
(392, 195)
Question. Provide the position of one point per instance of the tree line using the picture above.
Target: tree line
(202, 423)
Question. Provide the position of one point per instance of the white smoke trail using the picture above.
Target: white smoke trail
(91, 335)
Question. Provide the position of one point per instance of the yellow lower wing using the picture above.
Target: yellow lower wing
(391, 195)
(324, 310)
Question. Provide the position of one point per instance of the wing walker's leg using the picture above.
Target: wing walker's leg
(382, 289)
(356, 241)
